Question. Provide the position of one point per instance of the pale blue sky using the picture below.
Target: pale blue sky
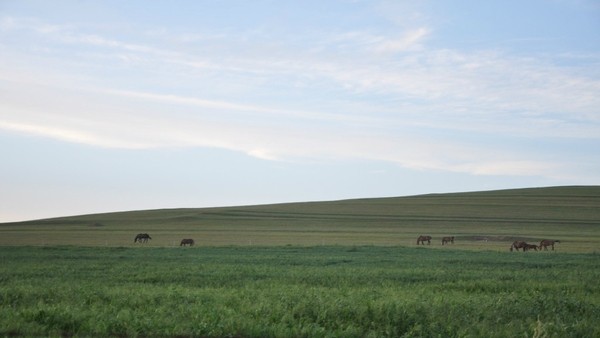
(122, 105)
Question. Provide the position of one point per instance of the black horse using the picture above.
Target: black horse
(187, 241)
(142, 238)
(422, 239)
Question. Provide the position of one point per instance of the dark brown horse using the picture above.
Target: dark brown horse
(142, 238)
(422, 239)
(187, 241)
(548, 242)
(528, 247)
(517, 245)
(446, 240)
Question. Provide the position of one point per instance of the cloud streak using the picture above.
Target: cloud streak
(374, 96)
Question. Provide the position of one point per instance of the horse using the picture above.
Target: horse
(517, 245)
(528, 246)
(548, 242)
(142, 238)
(187, 241)
(446, 240)
(422, 240)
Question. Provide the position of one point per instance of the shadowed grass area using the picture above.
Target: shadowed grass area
(479, 220)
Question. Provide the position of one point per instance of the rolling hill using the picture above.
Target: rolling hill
(479, 220)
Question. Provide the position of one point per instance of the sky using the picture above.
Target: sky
(127, 105)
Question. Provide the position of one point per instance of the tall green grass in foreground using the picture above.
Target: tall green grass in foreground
(289, 291)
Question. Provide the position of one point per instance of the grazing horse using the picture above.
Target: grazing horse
(187, 241)
(446, 240)
(142, 238)
(528, 246)
(422, 240)
(517, 245)
(548, 242)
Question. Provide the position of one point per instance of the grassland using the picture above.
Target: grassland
(480, 221)
(321, 291)
(324, 269)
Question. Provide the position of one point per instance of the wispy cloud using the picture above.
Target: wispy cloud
(410, 41)
(143, 126)
(487, 81)
(376, 96)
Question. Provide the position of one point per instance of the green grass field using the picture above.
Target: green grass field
(321, 291)
(325, 269)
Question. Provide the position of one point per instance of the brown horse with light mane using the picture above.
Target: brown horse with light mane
(422, 239)
(517, 245)
(187, 241)
(548, 242)
(446, 240)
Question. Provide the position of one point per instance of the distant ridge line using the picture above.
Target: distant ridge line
(552, 192)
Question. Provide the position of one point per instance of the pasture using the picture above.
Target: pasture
(322, 269)
(321, 291)
(479, 221)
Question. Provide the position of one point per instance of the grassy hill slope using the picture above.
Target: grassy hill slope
(479, 220)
